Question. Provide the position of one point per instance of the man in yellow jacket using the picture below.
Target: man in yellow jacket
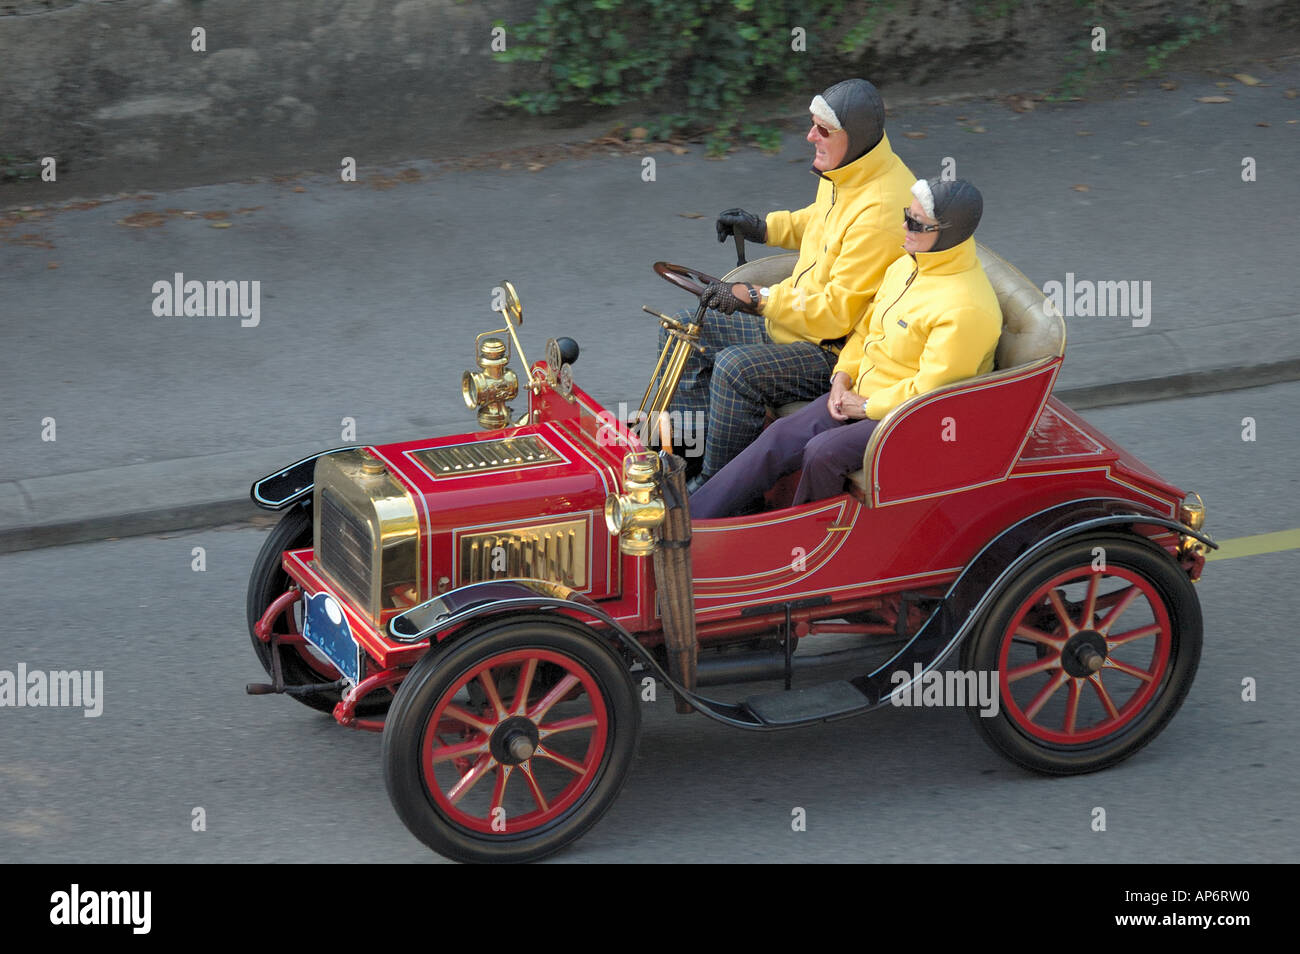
(770, 346)
(935, 320)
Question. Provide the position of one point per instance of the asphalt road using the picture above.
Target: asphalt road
(278, 782)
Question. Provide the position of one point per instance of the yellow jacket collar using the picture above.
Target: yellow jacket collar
(950, 261)
(864, 168)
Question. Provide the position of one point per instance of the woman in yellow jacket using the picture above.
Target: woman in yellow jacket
(935, 320)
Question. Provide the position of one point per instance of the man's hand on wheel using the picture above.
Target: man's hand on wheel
(720, 296)
(745, 224)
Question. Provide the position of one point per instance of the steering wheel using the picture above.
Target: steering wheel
(687, 279)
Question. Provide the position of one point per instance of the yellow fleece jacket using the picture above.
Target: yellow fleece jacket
(846, 239)
(934, 321)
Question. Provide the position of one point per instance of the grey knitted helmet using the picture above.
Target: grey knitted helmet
(855, 106)
(955, 204)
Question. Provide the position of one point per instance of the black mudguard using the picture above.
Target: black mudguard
(293, 483)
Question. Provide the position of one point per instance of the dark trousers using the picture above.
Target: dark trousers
(739, 374)
(827, 450)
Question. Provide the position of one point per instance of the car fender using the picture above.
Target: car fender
(992, 570)
(291, 484)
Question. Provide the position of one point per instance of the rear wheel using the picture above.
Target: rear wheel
(510, 742)
(1095, 647)
(299, 664)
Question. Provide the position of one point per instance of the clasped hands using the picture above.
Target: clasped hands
(843, 403)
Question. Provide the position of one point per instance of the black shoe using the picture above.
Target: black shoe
(696, 482)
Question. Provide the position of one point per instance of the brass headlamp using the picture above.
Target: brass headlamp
(632, 516)
(491, 387)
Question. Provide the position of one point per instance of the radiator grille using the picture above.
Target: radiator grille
(345, 548)
(556, 552)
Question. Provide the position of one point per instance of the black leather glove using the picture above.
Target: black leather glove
(718, 296)
(745, 224)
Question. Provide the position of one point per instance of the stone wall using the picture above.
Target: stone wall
(113, 89)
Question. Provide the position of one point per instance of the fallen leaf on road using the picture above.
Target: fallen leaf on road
(143, 220)
(216, 214)
(1144, 122)
(1263, 124)
(299, 189)
(1082, 132)
(32, 240)
(692, 215)
(1213, 99)
(1245, 78)
(251, 208)
(219, 225)
(1079, 187)
(1290, 93)
(962, 119)
(976, 129)
(536, 166)
(1168, 85)
(52, 265)
(915, 135)
(680, 150)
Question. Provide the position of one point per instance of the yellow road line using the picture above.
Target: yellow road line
(1257, 544)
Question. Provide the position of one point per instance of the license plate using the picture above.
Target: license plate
(327, 629)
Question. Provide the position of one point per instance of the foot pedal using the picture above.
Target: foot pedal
(802, 705)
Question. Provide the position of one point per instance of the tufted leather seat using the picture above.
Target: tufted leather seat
(1031, 328)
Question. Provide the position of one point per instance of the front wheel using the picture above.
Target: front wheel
(512, 741)
(1094, 649)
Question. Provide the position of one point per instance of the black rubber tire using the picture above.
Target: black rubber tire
(1168, 581)
(440, 670)
(266, 582)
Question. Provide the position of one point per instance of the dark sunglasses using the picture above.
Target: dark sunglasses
(824, 131)
(915, 225)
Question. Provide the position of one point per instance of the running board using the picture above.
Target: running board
(831, 700)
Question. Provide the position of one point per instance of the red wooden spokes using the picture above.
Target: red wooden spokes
(515, 742)
(1048, 691)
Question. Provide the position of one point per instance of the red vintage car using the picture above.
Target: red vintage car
(500, 603)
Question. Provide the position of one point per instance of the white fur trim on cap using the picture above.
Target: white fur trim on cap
(822, 110)
(921, 189)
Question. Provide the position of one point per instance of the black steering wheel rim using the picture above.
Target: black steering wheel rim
(687, 279)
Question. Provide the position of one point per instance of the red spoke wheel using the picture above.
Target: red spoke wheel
(509, 742)
(1095, 648)
(300, 664)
